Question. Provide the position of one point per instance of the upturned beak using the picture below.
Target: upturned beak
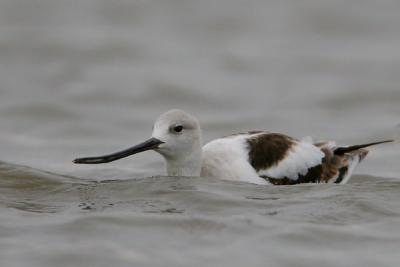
(150, 144)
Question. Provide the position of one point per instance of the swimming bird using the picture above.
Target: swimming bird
(258, 157)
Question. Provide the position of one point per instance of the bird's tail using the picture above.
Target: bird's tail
(343, 150)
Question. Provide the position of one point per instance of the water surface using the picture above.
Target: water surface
(49, 220)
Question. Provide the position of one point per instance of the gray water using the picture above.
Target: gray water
(81, 78)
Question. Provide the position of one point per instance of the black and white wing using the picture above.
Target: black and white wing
(281, 159)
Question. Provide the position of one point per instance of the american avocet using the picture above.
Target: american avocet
(256, 157)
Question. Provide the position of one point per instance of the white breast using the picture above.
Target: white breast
(228, 158)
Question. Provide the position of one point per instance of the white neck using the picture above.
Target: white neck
(185, 166)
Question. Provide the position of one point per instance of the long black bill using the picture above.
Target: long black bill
(147, 145)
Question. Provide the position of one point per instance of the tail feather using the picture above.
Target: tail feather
(343, 150)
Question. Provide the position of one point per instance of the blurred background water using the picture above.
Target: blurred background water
(89, 77)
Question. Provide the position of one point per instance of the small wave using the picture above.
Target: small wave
(28, 189)
(366, 199)
(19, 176)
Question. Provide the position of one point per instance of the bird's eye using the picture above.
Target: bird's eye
(178, 128)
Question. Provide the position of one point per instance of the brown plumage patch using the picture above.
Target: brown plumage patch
(267, 150)
(332, 169)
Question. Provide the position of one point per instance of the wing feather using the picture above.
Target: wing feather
(280, 156)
